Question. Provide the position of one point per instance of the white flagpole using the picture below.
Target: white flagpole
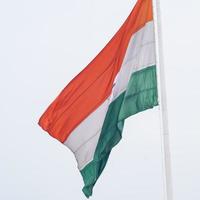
(168, 193)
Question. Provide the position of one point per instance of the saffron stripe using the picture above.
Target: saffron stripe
(75, 102)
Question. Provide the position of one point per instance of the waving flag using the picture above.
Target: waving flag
(88, 115)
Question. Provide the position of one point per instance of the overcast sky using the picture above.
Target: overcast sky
(43, 45)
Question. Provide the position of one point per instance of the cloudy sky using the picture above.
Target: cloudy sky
(43, 45)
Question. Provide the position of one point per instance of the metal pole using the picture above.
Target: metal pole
(168, 193)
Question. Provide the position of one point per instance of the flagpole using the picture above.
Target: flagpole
(167, 175)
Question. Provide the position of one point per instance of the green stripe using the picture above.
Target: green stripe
(141, 94)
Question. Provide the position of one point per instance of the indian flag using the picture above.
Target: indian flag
(88, 115)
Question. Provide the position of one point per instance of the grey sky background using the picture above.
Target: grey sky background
(43, 45)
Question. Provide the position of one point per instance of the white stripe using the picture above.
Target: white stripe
(140, 54)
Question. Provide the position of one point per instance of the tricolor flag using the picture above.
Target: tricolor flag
(88, 115)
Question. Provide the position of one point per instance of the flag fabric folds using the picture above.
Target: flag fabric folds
(88, 115)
